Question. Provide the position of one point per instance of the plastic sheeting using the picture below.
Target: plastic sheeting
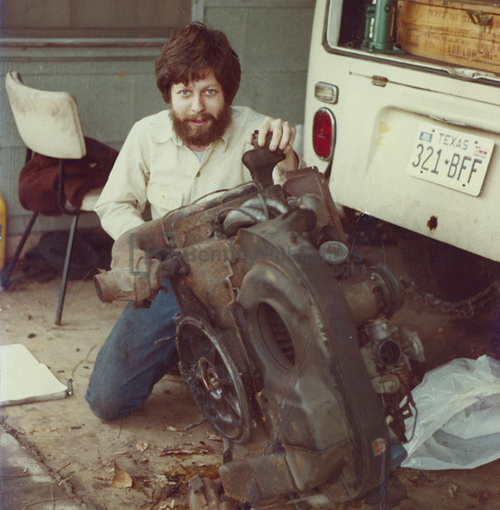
(458, 416)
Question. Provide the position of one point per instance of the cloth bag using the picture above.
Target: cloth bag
(39, 177)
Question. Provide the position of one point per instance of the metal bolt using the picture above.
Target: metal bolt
(69, 384)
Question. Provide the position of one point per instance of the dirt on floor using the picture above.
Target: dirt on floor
(78, 448)
(145, 461)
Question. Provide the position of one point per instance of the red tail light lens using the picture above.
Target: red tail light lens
(324, 133)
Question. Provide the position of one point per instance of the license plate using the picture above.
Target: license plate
(450, 158)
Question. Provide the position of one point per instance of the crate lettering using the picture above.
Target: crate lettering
(444, 31)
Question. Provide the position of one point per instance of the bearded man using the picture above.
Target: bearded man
(168, 160)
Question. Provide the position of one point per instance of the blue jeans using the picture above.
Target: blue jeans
(130, 363)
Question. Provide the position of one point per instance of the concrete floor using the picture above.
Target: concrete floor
(77, 456)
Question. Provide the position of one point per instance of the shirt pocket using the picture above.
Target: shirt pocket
(164, 198)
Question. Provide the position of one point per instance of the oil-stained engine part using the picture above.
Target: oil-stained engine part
(136, 274)
(310, 181)
(335, 253)
(260, 209)
(261, 161)
(314, 387)
(194, 224)
(269, 347)
(377, 294)
(213, 378)
(139, 283)
(235, 196)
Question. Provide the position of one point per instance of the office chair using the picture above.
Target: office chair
(49, 124)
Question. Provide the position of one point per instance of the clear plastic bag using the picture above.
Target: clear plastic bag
(458, 416)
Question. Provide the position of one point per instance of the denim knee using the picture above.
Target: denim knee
(108, 408)
(131, 361)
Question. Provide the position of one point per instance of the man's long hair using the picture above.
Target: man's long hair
(193, 51)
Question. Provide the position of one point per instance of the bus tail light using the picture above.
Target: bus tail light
(324, 133)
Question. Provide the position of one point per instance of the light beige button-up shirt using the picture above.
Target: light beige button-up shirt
(155, 166)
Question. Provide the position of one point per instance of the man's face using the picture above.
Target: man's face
(199, 112)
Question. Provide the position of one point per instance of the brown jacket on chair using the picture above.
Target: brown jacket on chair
(39, 177)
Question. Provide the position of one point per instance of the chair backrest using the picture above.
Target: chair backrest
(48, 122)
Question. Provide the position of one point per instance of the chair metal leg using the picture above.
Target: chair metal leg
(10, 268)
(67, 260)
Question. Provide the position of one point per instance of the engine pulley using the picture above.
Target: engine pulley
(213, 378)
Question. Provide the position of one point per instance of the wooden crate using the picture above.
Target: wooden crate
(451, 31)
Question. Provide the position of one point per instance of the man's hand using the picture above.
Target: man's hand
(283, 137)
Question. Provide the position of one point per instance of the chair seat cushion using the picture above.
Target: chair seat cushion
(90, 199)
(39, 178)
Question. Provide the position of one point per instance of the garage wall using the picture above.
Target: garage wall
(113, 86)
(113, 79)
(271, 38)
(91, 18)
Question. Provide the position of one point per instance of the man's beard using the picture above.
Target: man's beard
(202, 135)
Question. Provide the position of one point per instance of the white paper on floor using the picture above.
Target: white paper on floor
(23, 379)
